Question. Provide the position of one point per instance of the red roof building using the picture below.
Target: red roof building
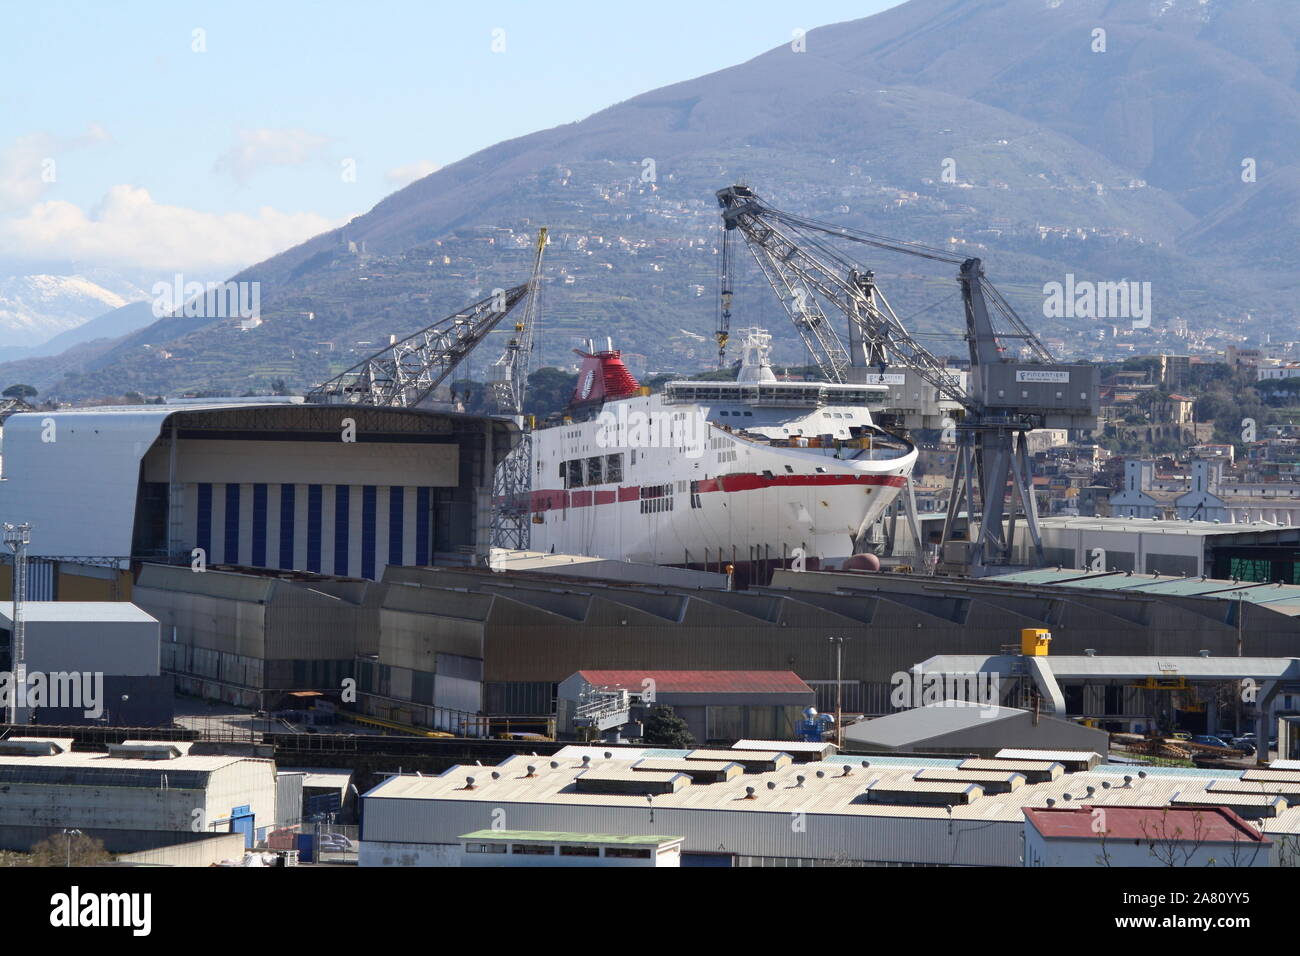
(1088, 835)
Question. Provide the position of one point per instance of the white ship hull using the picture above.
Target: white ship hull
(705, 495)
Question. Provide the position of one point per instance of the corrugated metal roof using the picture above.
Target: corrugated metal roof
(777, 791)
(699, 682)
(1052, 756)
(788, 746)
(1133, 823)
(1284, 765)
(923, 723)
(89, 612)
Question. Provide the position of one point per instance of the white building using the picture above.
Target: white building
(139, 795)
(1134, 499)
(887, 811)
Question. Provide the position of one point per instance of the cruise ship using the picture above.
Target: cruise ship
(755, 474)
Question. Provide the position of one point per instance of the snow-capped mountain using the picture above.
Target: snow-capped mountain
(35, 308)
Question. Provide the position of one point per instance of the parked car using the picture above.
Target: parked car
(1180, 735)
(1205, 740)
(1245, 745)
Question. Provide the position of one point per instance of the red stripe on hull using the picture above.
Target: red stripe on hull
(555, 499)
(751, 482)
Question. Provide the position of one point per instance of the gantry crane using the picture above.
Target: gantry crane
(1005, 399)
(508, 379)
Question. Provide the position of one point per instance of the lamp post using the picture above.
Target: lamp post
(70, 834)
(839, 691)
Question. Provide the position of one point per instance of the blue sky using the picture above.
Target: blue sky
(121, 145)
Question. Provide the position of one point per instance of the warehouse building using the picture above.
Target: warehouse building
(140, 795)
(259, 483)
(248, 638)
(845, 810)
(113, 646)
(1261, 551)
(434, 647)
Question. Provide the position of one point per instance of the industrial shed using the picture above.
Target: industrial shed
(452, 642)
(245, 639)
(959, 727)
(115, 639)
(139, 796)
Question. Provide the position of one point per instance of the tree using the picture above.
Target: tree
(20, 391)
(57, 848)
(549, 391)
(663, 728)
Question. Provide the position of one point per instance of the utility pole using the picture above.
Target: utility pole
(18, 537)
(839, 691)
(1241, 647)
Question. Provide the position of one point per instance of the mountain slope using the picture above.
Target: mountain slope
(1118, 164)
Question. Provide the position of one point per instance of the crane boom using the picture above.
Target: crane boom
(405, 373)
(787, 249)
(508, 375)
(512, 485)
(1006, 398)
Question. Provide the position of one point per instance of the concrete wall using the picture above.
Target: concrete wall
(201, 852)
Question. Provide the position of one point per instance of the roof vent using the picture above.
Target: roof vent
(532, 771)
(159, 751)
(608, 755)
(866, 763)
(495, 775)
(798, 781)
(469, 783)
(771, 785)
(1105, 785)
(1066, 796)
(820, 774)
(555, 764)
(749, 793)
(1091, 790)
(586, 760)
(846, 770)
(1128, 780)
(1051, 802)
(1142, 774)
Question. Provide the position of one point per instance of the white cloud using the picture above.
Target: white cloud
(29, 165)
(129, 230)
(258, 148)
(405, 175)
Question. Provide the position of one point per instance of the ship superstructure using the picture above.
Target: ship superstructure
(757, 473)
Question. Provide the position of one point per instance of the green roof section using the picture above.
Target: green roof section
(560, 836)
